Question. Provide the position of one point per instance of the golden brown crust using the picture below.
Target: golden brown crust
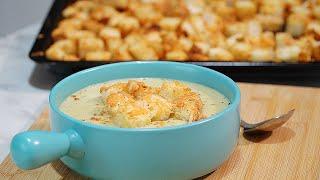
(98, 56)
(87, 45)
(92, 25)
(63, 50)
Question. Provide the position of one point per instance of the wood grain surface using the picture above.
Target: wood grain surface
(291, 152)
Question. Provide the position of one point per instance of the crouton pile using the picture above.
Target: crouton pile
(134, 104)
(188, 30)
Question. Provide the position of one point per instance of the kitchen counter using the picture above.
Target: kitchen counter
(290, 152)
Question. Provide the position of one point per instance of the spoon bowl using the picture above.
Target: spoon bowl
(267, 125)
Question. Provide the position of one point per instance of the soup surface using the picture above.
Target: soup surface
(144, 103)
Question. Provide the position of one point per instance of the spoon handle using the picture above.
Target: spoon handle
(246, 125)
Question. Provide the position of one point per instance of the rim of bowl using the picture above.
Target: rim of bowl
(56, 109)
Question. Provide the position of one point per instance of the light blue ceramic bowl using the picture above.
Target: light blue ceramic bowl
(180, 152)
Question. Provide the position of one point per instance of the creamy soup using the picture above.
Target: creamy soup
(88, 105)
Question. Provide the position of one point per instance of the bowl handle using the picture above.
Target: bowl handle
(32, 149)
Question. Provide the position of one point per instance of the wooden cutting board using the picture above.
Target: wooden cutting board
(291, 152)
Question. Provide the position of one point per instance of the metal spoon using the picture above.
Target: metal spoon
(267, 125)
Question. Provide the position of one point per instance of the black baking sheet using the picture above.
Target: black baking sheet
(44, 40)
